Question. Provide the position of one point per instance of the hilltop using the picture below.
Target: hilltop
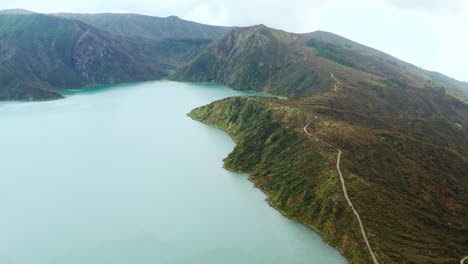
(149, 27)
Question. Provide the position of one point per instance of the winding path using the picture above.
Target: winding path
(463, 260)
(338, 82)
(345, 192)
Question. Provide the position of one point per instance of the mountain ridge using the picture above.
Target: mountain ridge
(150, 27)
(351, 54)
(336, 39)
(144, 58)
(16, 11)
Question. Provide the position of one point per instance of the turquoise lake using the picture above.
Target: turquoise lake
(121, 175)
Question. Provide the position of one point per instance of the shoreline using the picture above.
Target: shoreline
(267, 200)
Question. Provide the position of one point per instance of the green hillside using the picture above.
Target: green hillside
(260, 58)
(403, 135)
(377, 62)
(410, 194)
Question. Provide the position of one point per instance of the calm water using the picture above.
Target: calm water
(121, 175)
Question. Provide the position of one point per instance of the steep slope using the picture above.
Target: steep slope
(403, 135)
(41, 53)
(169, 42)
(149, 27)
(410, 194)
(367, 59)
(255, 58)
(260, 58)
(263, 59)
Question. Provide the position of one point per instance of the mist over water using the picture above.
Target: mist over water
(120, 174)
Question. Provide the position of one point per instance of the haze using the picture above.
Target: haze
(428, 33)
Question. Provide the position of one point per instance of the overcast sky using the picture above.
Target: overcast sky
(432, 34)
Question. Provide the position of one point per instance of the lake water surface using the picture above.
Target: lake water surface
(120, 175)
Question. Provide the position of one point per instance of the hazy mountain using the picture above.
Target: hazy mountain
(403, 135)
(150, 27)
(169, 42)
(15, 12)
(390, 61)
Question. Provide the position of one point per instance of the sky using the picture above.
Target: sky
(432, 34)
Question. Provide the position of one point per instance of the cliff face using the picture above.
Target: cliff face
(412, 207)
(42, 54)
(256, 58)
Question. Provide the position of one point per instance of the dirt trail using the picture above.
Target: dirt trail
(338, 82)
(345, 192)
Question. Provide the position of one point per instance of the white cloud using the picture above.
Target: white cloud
(429, 6)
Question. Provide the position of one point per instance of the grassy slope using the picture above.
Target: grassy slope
(409, 193)
(256, 58)
(260, 58)
(382, 64)
(404, 137)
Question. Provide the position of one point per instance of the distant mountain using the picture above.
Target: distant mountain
(15, 12)
(380, 63)
(42, 53)
(149, 27)
(254, 58)
(168, 42)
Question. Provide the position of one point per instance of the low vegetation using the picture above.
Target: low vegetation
(409, 193)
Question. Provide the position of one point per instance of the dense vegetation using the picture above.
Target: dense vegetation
(403, 130)
(410, 194)
(403, 135)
